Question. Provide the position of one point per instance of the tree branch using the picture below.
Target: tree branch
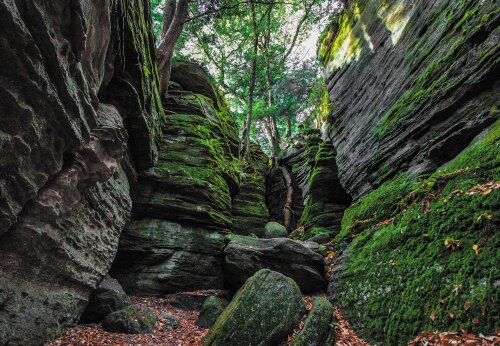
(224, 8)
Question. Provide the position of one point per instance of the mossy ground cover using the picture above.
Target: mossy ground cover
(423, 253)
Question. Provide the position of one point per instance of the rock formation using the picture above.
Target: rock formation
(182, 205)
(244, 256)
(319, 199)
(249, 208)
(64, 190)
(414, 84)
(263, 312)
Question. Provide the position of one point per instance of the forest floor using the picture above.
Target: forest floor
(188, 334)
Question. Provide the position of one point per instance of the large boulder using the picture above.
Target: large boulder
(108, 297)
(317, 327)
(263, 312)
(211, 309)
(158, 257)
(244, 256)
(274, 229)
(130, 320)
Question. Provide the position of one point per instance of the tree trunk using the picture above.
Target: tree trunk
(287, 208)
(245, 142)
(288, 131)
(174, 15)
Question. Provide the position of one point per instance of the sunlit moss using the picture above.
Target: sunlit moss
(341, 44)
(395, 17)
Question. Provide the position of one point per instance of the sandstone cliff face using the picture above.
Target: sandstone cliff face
(319, 200)
(64, 193)
(411, 82)
(182, 205)
(249, 210)
(414, 84)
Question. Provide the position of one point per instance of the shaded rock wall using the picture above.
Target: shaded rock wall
(64, 195)
(318, 198)
(249, 210)
(413, 84)
(182, 205)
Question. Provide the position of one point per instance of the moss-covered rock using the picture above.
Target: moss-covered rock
(249, 210)
(319, 199)
(130, 320)
(422, 254)
(317, 326)
(263, 312)
(411, 84)
(211, 309)
(132, 85)
(182, 205)
(274, 229)
(244, 256)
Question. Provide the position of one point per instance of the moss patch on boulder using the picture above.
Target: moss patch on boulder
(317, 326)
(130, 320)
(263, 312)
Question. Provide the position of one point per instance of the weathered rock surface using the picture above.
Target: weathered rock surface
(182, 205)
(249, 210)
(157, 256)
(130, 320)
(412, 83)
(317, 326)
(319, 200)
(64, 196)
(211, 309)
(244, 256)
(108, 297)
(170, 321)
(263, 312)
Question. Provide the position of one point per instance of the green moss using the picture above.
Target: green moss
(317, 325)
(136, 62)
(439, 75)
(411, 252)
(262, 312)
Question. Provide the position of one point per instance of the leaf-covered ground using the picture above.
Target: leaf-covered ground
(188, 334)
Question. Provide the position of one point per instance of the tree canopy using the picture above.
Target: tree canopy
(261, 53)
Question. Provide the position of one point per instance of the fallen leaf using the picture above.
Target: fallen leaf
(467, 306)
(433, 317)
(476, 249)
(452, 315)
